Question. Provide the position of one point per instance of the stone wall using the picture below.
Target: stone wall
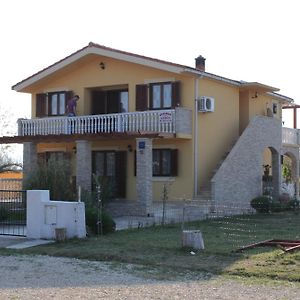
(84, 165)
(239, 179)
(144, 174)
(29, 159)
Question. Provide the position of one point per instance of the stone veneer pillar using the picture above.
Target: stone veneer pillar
(276, 173)
(84, 165)
(144, 175)
(29, 159)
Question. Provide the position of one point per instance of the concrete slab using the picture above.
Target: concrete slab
(29, 243)
(6, 240)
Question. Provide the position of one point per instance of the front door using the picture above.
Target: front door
(111, 166)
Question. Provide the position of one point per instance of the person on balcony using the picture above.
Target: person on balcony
(71, 106)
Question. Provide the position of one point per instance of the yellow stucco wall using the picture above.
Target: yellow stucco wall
(89, 75)
(256, 104)
(218, 130)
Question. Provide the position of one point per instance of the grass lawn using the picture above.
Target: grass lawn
(160, 248)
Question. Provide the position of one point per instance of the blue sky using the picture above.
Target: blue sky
(245, 40)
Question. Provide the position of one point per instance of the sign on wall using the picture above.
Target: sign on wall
(165, 117)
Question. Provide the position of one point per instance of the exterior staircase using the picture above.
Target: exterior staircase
(205, 198)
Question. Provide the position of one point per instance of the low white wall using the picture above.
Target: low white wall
(44, 216)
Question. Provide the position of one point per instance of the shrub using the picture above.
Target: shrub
(277, 206)
(55, 176)
(92, 209)
(293, 204)
(284, 205)
(3, 214)
(261, 204)
(91, 219)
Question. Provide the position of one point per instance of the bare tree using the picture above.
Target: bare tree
(8, 127)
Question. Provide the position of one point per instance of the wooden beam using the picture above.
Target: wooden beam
(62, 138)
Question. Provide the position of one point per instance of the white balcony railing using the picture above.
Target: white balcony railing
(290, 136)
(162, 121)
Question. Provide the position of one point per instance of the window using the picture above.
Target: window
(161, 95)
(108, 102)
(56, 156)
(52, 104)
(56, 103)
(104, 163)
(164, 162)
(124, 101)
(111, 165)
(275, 108)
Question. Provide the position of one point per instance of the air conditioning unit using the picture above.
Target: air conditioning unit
(206, 104)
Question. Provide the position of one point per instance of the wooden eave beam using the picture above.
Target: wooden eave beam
(69, 138)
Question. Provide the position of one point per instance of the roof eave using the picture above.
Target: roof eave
(92, 49)
(200, 74)
(280, 97)
(259, 87)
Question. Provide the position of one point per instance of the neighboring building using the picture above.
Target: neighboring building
(144, 122)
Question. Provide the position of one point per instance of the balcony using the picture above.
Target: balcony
(173, 121)
(290, 136)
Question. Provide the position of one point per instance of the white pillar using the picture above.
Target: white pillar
(35, 213)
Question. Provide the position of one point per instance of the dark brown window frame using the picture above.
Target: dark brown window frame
(161, 84)
(58, 93)
(44, 104)
(173, 163)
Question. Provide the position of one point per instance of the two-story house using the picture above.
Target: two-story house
(143, 122)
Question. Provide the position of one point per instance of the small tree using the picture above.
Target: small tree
(97, 220)
(287, 171)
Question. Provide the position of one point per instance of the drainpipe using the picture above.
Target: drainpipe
(196, 82)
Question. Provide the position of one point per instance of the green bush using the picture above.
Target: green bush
(91, 219)
(277, 206)
(3, 214)
(293, 204)
(55, 176)
(261, 204)
(92, 209)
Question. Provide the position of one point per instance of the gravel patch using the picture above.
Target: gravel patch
(43, 277)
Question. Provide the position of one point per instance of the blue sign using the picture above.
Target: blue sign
(141, 145)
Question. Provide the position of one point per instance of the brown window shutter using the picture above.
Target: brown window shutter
(175, 94)
(141, 94)
(121, 164)
(174, 162)
(41, 100)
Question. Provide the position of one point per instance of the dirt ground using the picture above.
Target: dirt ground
(43, 277)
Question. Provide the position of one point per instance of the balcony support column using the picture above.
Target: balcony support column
(84, 165)
(29, 160)
(144, 175)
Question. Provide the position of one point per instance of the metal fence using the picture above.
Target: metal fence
(13, 212)
(10, 184)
